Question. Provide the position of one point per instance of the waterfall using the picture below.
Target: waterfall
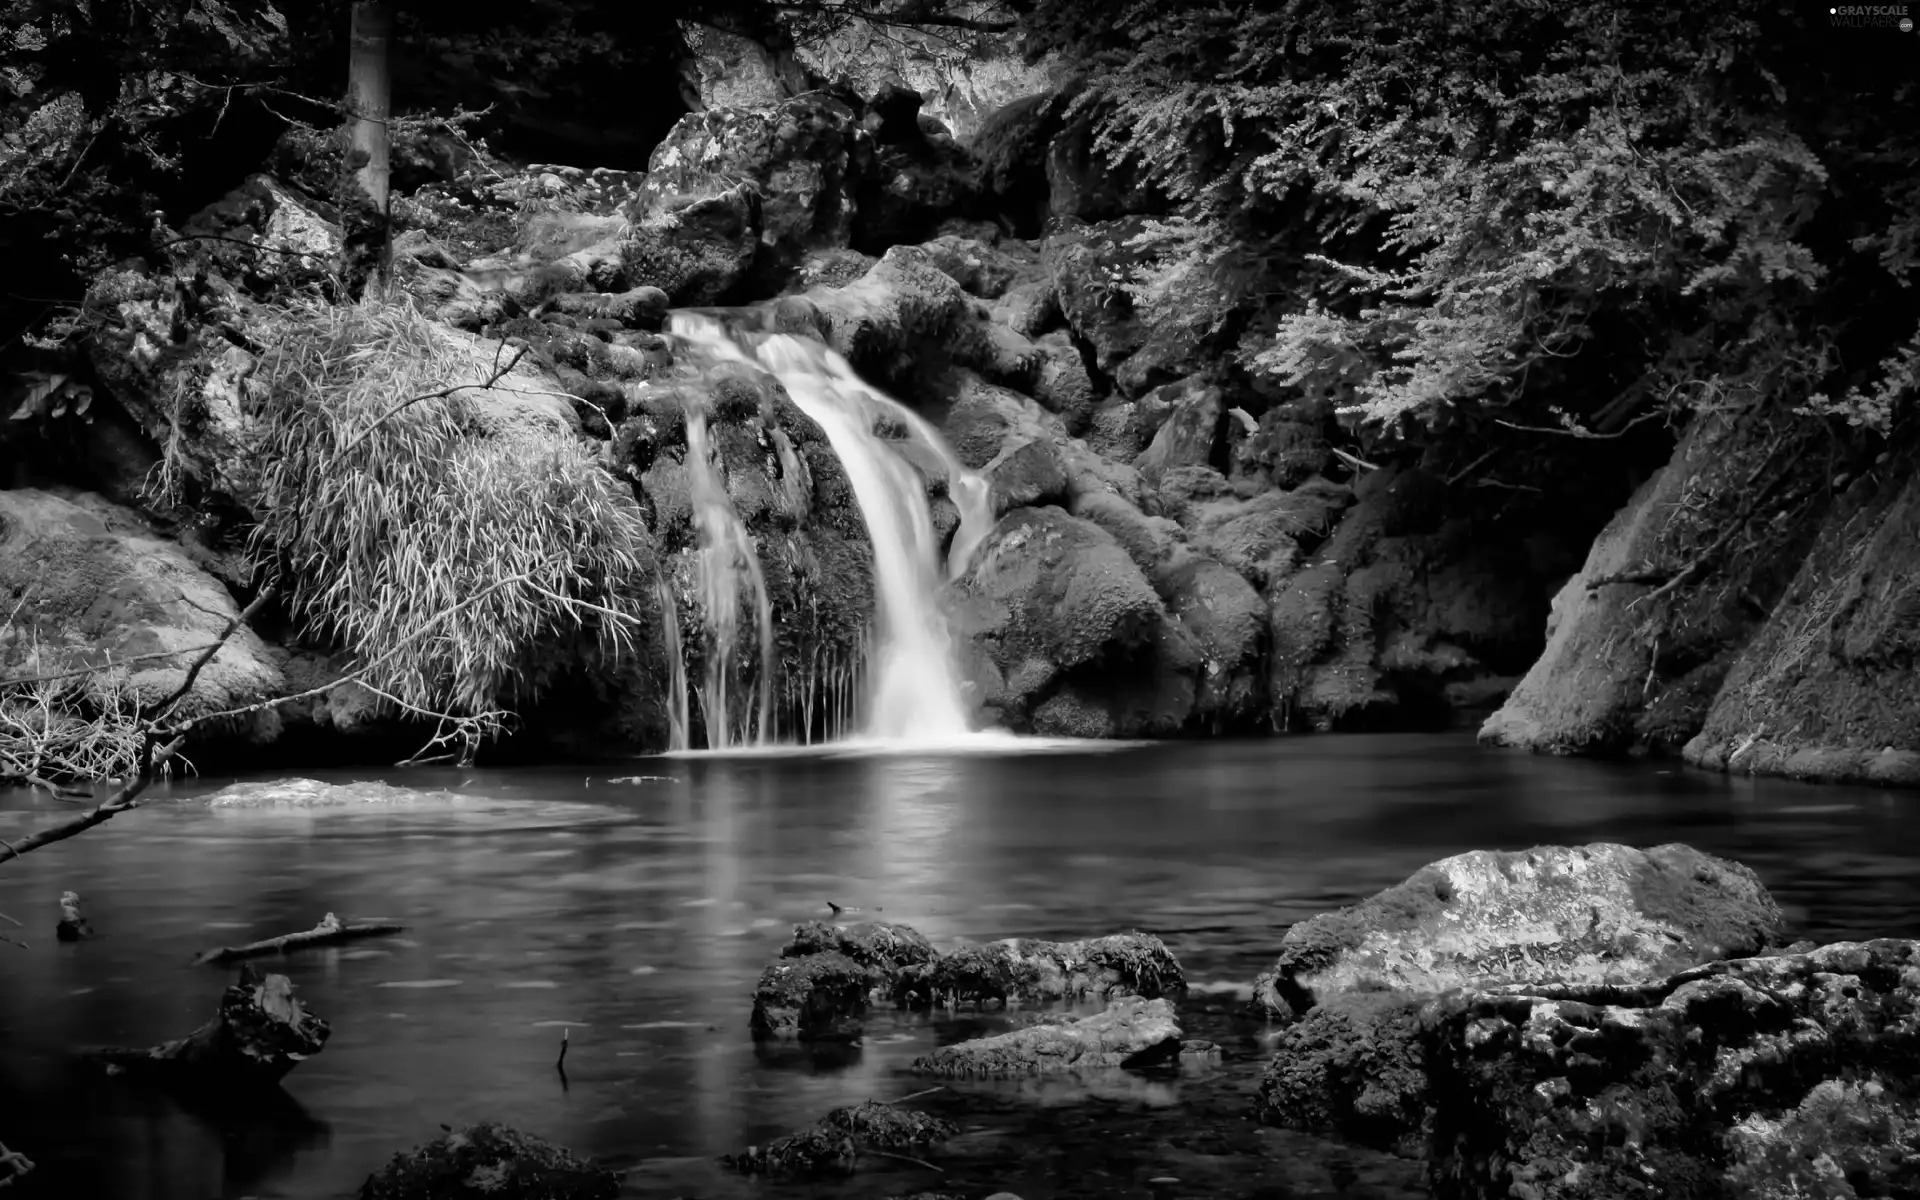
(678, 738)
(727, 559)
(913, 689)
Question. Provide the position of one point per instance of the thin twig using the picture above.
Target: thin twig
(1581, 431)
(199, 664)
(410, 401)
(918, 1095)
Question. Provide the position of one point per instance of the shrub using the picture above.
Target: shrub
(447, 541)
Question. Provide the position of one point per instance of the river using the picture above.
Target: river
(636, 915)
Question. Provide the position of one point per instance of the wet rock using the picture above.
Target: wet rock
(1778, 1076)
(1050, 588)
(696, 248)
(804, 156)
(982, 270)
(1357, 981)
(817, 997)
(1131, 1032)
(1121, 429)
(265, 235)
(545, 236)
(1018, 970)
(73, 925)
(1191, 431)
(832, 1147)
(1030, 308)
(880, 946)
(1227, 620)
(637, 308)
(1090, 266)
(490, 1162)
(1574, 914)
(100, 585)
(832, 269)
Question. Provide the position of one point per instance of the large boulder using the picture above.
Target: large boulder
(89, 583)
(1227, 620)
(1048, 592)
(1130, 1033)
(1776, 1077)
(1573, 914)
(805, 156)
(696, 248)
(1355, 983)
(265, 235)
(1090, 266)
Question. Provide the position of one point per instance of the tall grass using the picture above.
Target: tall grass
(454, 503)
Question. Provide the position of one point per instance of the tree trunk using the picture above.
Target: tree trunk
(365, 213)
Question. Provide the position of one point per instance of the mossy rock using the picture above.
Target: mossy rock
(490, 1162)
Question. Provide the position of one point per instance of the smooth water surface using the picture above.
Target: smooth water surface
(636, 915)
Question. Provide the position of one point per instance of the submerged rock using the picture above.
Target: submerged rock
(1356, 983)
(1764, 1077)
(1132, 1032)
(490, 1162)
(832, 1146)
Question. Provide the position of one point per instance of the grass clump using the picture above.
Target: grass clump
(452, 542)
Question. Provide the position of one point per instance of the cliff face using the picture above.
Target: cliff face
(1753, 606)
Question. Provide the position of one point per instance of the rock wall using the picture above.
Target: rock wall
(1752, 607)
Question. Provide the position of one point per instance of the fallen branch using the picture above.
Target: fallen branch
(14, 1164)
(1354, 460)
(331, 931)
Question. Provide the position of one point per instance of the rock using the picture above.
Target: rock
(1019, 970)
(490, 1162)
(1286, 448)
(816, 997)
(1030, 309)
(73, 925)
(804, 156)
(1130, 1033)
(913, 188)
(636, 308)
(1090, 264)
(832, 1146)
(260, 1033)
(1780, 1076)
(546, 236)
(265, 236)
(831, 269)
(1356, 981)
(880, 946)
(1122, 429)
(1574, 914)
(901, 308)
(99, 586)
(982, 270)
(1227, 620)
(695, 248)
(1353, 1068)
(1191, 432)
(1053, 590)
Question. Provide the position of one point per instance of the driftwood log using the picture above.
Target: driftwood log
(260, 1033)
(331, 931)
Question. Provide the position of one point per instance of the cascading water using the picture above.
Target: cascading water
(914, 686)
(726, 561)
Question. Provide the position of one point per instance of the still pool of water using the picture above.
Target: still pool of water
(635, 916)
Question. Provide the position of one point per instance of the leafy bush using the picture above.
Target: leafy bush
(449, 542)
(1431, 208)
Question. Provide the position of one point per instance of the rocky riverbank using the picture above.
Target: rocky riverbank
(1174, 547)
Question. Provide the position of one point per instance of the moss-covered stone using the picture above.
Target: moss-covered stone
(1017, 971)
(816, 997)
(490, 1162)
(1789, 1075)
(1131, 1032)
(832, 1147)
(1571, 914)
(1354, 1068)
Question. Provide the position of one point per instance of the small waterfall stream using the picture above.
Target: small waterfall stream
(913, 686)
(728, 571)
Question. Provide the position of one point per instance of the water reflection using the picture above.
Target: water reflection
(637, 916)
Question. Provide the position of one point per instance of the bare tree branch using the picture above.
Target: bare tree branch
(409, 402)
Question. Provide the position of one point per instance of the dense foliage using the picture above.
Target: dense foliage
(448, 541)
(1590, 209)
